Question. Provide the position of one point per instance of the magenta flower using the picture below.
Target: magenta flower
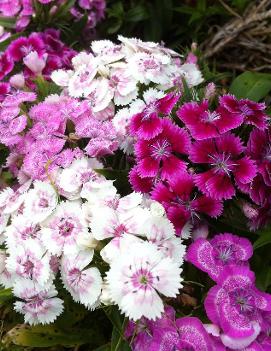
(148, 124)
(21, 47)
(261, 152)
(223, 156)
(4, 90)
(157, 157)
(212, 256)
(236, 306)
(249, 111)
(141, 185)
(6, 65)
(180, 201)
(203, 123)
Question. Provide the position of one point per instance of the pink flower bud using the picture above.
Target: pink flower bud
(17, 81)
(35, 63)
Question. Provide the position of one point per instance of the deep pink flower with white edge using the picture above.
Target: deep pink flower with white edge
(178, 199)
(139, 184)
(21, 47)
(203, 123)
(148, 124)
(156, 157)
(250, 111)
(223, 155)
(236, 306)
(38, 306)
(6, 65)
(60, 231)
(84, 284)
(261, 152)
(137, 277)
(212, 256)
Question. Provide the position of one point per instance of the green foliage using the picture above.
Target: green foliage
(251, 85)
(264, 238)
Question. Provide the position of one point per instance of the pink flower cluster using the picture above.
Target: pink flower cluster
(47, 135)
(193, 165)
(235, 306)
(38, 54)
(23, 10)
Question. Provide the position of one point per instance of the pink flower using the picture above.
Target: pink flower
(236, 306)
(6, 65)
(203, 123)
(156, 157)
(251, 112)
(223, 250)
(223, 156)
(21, 47)
(179, 203)
(259, 149)
(148, 124)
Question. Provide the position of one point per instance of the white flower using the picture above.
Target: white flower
(84, 284)
(22, 228)
(125, 86)
(62, 77)
(40, 201)
(160, 231)
(119, 217)
(191, 73)
(107, 51)
(80, 82)
(148, 68)
(29, 261)
(60, 231)
(71, 179)
(137, 277)
(99, 192)
(39, 306)
(35, 62)
(83, 59)
(99, 95)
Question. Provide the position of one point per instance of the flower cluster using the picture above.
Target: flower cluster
(48, 135)
(24, 10)
(55, 227)
(115, 75)
(234, 304)
(37, 54)
(193, 165)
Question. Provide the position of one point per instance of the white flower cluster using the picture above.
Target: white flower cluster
(115, 75)
(68, 228)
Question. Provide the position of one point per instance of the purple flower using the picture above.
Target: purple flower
(223, 250)
(223, 156)
(148, 124)
(237, 306)
(156, 157)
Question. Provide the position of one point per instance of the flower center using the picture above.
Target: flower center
(43, 202)
(246, 110)
(119, 230)
(224, 253)
(161, 149)
(142, 279)
(210, 117)
(150, 64)
(222, 163)
(149, 110)
(243, 300)
(74, 276)
(28, 268)
(65, 227)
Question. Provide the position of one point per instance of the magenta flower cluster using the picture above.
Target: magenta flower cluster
(37, 54)
(195, 163)
(234, 304)
(23, 10)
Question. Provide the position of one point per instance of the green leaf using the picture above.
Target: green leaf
(105, 347)
(5, 295)
(264, 238)
(251, 85)
(49, 335)
(136, 14)
(7, 22)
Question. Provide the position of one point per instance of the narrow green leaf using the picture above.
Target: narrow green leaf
(264, 238)
(5, 295)
(7, 22)
(251, 85)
